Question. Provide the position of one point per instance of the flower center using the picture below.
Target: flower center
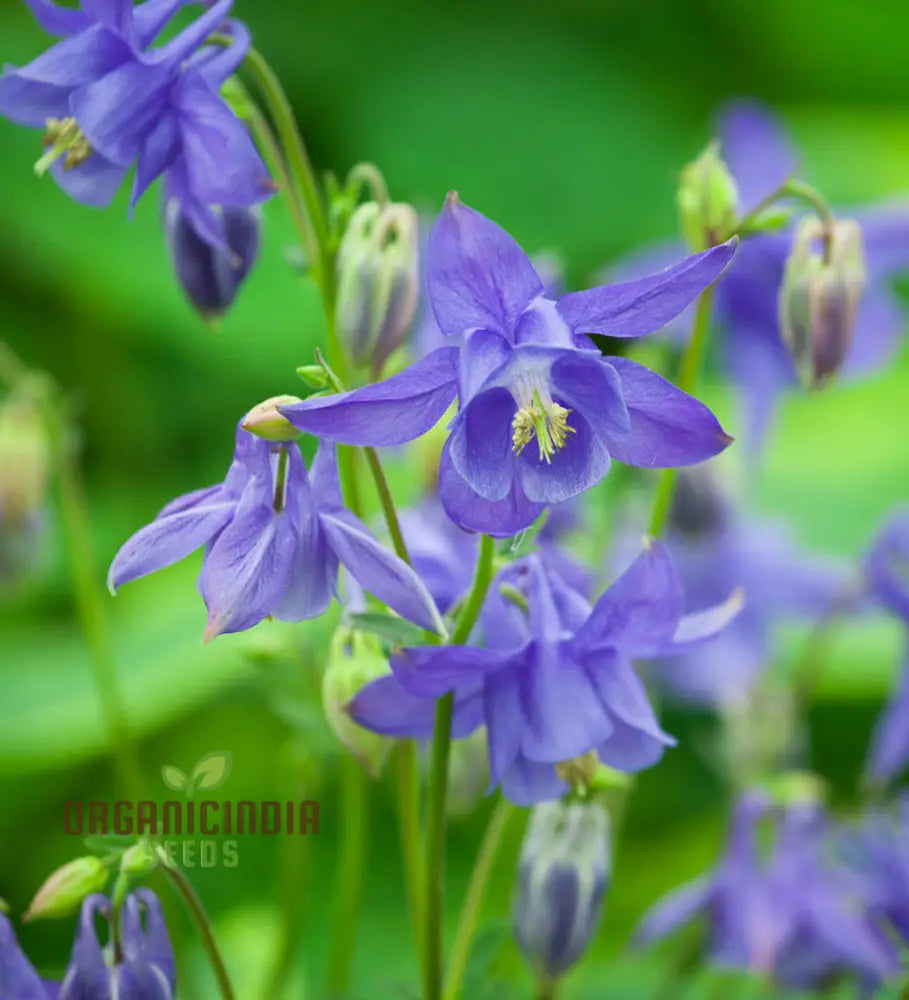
(545, 419)
(63, 137)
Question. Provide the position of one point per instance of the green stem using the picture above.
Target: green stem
(795, 188)
(408, 795)
(368, 175)
(348, 886)
(687, 382)
(546, 989)
(203, 924)
(476, 890)
(388, 504)
(90, 599)
(434, 857)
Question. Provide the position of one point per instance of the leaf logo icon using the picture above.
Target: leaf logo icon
(173, 777)
(210, 772)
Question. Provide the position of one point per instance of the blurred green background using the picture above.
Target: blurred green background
(567, 124)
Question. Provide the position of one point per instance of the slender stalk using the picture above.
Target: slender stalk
(349, 884)
(388, 504)
(203, 924)
(687, 381)
(546, 989)
(408, 795)
(90, 598)
(476, 890)
(434, 857)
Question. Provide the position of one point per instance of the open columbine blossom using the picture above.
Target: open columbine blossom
(274, 537)
(541, 411)
(716, 547)
(554, 682)
(761, 157)
(107, 100)
(144, 970)
(795, 915)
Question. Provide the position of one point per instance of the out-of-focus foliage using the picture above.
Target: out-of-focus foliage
(566, 123)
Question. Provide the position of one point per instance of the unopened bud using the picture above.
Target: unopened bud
(563, 876)
(138, 860)
(708, 200)
(378, 281)
(211, 275)
(266, 421)
(314, 376)
(24, 460)
(64, 890)
(356, 658)
(820, 296)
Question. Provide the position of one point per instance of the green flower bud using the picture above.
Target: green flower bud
(138, 860)
(822, 288)
(355, 659)
(314, 376)
(265, 421)
(708, 200)
(378, 281)
(64, 890)
(24, 459)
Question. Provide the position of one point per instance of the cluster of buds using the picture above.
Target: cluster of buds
(819, 299)
(563, 876)
(378, 281)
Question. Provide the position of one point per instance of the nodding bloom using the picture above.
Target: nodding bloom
(541, 411)
(107, 100)
(717, 546)
(555, 680)
(888, 754)
(143, 968)
(274, 536)
(563, 876)
(796, 915)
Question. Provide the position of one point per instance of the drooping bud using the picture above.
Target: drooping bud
(138, 860)
(211, 275)
(820, 296)
(63, 891)
(378, 281)
(266, 421)
(708, 200)
(562, 879)
(356, 658)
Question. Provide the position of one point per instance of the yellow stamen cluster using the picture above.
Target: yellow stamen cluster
(547, 421)
(63, 138)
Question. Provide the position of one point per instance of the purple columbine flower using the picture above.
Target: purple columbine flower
(795, 915)
(554, 682)
(889, 751)
(142, 970)
(887, 565)
(761, 157)
(717, 547)
(107, 100)
(541, 411)
(274, 537)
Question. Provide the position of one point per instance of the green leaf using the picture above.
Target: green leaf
(392, 629)
(108, 843)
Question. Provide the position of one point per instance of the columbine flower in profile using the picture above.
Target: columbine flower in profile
(274, 536)
(887, 565)
(555, 680)
(106, 100)
(796, 915)
(541, 411)
(142, 969)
